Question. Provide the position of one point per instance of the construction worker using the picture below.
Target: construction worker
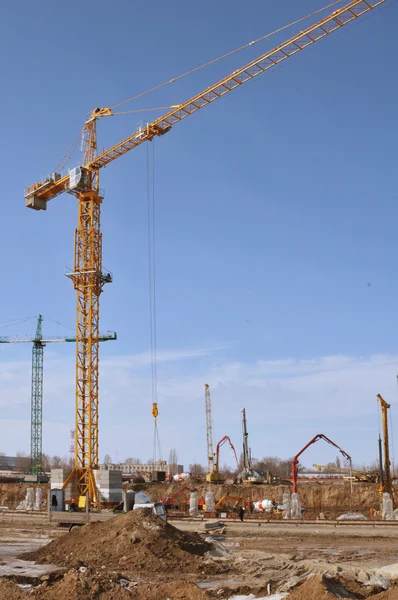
(73, 505)
(241, 513)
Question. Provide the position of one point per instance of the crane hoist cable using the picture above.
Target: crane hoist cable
(151, 223)
(157, 448)
(150, 231)
(214, 60)
(69, 153)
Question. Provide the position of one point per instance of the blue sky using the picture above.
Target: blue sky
(276, 224)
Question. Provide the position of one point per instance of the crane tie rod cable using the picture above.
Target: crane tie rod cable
(252, 43)
(68, 154)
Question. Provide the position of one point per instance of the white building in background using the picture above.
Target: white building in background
(149, 468)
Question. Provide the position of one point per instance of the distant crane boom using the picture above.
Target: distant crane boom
(223, 440)
(359, 475)
(295, 461)
(110, 335)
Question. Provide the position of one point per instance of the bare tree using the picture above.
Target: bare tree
(228, 472)
(23, 461)
(56, 462)
(46, 462)
(197, 469)
(107, 459)
(132, 461)
(276, 466)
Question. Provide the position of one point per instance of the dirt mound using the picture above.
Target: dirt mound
(390, 595)
(137, 541)
(329, 588)
(11, 591)
(76, 585)
(73, 586)
(314, 589)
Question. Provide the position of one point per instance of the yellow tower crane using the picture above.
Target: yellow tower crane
(83, 182)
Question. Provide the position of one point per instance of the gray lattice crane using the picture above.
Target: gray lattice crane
(209, 434)
(36, 426)
(248, 475)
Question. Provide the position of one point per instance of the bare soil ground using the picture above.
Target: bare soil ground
(139, 557)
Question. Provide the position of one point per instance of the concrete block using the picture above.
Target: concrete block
(109, 484)
(57, 478)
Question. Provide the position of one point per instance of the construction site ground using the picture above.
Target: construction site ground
(254, 558)
(136, 556)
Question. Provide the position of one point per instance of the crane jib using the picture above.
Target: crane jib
(39, 193)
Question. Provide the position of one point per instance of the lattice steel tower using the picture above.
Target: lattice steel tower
(39, 344)
(36, 439)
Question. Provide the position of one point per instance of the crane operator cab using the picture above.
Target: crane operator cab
(79, 180)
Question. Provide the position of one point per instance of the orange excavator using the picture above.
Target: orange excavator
(171, 501)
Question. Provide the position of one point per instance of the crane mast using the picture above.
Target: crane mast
(387, 483)
(88, 280)
(36, 421)
(88, 277)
